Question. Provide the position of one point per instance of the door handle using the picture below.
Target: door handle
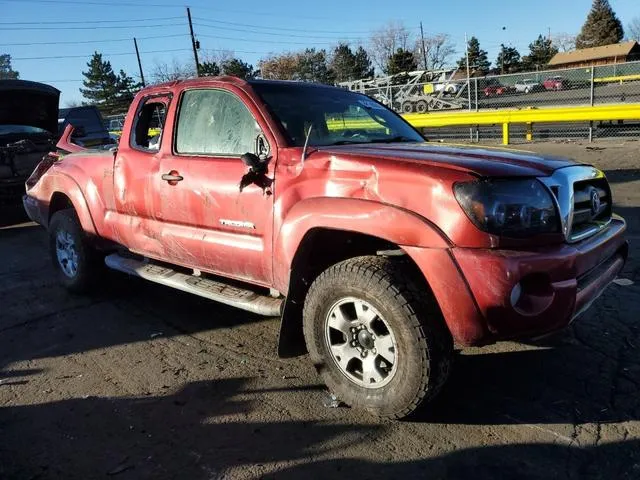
(172, 177)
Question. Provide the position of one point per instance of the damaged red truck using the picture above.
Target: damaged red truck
(378, 250)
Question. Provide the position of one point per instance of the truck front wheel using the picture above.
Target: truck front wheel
(377, 340)
(76, 262)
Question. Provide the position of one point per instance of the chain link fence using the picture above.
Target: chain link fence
(585, 86)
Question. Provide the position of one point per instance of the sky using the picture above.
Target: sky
(51, 41)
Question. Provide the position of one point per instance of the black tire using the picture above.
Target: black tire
(422, 106)
(407, 107)
(424, 344)
(89, 263)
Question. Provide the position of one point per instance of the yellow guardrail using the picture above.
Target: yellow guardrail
(527, 117)
(619, 78)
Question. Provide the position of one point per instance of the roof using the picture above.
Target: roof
(595, 53)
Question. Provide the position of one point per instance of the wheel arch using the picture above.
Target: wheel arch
(320, 248)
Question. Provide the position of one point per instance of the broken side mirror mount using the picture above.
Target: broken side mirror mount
(254, 163)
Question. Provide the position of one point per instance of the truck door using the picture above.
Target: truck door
(208, 222)
(135, 173)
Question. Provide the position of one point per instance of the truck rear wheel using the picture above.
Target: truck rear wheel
(76, 262)
(378, 342)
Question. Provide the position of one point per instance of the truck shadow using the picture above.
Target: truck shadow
(211, 429)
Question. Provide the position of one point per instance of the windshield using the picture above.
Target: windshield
(336, 117)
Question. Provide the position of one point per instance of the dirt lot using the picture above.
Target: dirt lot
(139, 381)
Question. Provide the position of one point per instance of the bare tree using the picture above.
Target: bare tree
(217, 56)
(633, 29)
(387, 40)
(565, 42)
(165, 72)
(284, 66)
(439, 48)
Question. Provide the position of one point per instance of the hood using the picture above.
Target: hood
(29, 103)
(484, 162)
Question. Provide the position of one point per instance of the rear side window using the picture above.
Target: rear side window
(149, 123)
(215, 122)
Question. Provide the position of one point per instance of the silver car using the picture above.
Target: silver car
(528, 85)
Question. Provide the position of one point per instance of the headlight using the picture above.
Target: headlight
(509, 208)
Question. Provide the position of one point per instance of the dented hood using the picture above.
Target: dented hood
(489, 162)
(29, 103)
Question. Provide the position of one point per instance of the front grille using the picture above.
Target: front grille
(583, 198)
(591, 207)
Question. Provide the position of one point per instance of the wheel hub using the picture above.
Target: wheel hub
(365, 339)
(361, 343)
(66, 253)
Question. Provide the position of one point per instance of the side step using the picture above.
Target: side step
(204, 287)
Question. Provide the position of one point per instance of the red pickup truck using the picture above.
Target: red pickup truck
(377, 249)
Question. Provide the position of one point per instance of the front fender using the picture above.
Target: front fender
(387, 222)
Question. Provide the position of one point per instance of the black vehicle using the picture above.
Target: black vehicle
(28, 131)
(89, 128)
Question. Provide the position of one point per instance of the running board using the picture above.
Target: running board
(204, 287)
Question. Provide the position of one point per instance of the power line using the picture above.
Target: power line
(276, 28)
(60, 22)
(245, 30)
(108, 4)
(78, 42)
(265, 41)
(107, 27)
(104, 54)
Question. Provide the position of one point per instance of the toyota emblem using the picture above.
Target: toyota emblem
(595, 202)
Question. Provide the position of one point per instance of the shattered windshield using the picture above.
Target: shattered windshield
(335, 117)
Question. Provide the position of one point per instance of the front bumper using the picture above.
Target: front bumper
(553, 285)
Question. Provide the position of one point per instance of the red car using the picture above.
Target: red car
(556, 83)
(496, 88)
(321, 206)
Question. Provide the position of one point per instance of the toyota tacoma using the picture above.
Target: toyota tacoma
(378, 250)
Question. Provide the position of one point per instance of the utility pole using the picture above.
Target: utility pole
(194, 43)
(502, 59)
(135, 42)
(424, 51)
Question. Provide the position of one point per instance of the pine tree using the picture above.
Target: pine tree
(313, 67)
(111, 93)
(602, 27)
(237, 68)
(540, 53)
(401, 61)
(209, 69)
(508, 60)
(478, 58)
(6, 71)
(362, 68)
(343, 63)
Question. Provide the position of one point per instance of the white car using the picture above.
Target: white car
(528, 85)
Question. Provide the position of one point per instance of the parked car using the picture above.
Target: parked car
(556, 83)
(448, 88)
(494, 87)
(377, 249)
(28, 116)
(528, 86)
(89, 127)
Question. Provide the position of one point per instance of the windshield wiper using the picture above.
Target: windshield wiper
(342, 142)
(397, 138)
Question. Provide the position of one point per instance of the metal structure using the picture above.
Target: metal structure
(419, 91)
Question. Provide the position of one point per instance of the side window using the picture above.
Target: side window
(215, 122)
(149, 124)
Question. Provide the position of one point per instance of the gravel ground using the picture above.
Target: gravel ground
(140, 381)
